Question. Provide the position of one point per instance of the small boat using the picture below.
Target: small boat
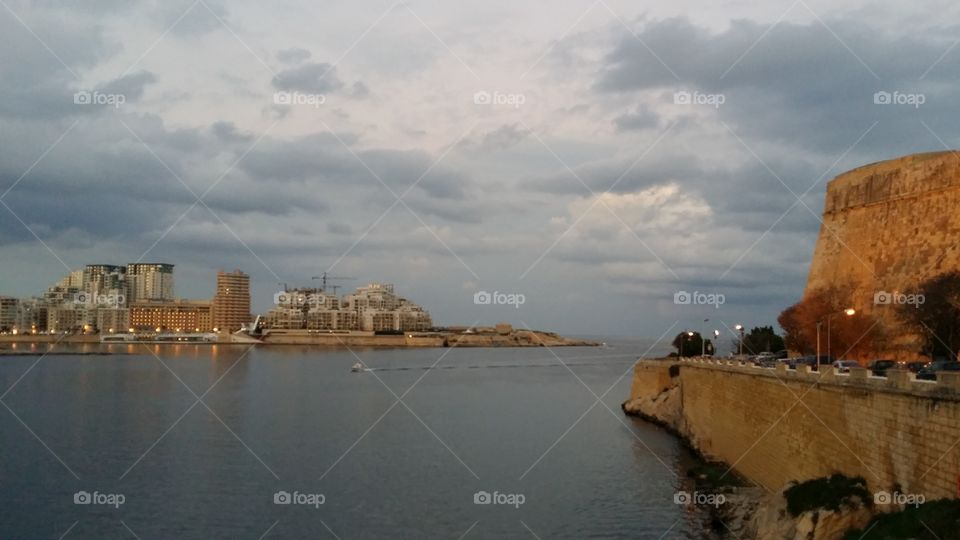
(357, 367)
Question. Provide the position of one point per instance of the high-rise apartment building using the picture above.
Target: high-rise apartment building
(231, 303)
(104, 280)
(149, 282)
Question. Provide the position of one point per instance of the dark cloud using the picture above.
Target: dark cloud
(315, 78)
(809, 86)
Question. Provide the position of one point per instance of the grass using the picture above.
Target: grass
(937, 520)
(829, 493)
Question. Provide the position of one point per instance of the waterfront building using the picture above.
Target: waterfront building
(372, 308)
(413, 318)
(231, 302)
(116, 319)
(307, 309)
(149, 282)
(182, 315)
(9, 307)
(31, 315)
(70, 317)
(379, 308)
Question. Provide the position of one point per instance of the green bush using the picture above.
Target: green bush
(829, 493)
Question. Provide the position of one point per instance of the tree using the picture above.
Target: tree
(688, 345)
(854, 336)
(937, 317)
(760, 339)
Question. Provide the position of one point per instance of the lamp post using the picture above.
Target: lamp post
(849, 312)
(689, 338)
(713, 346)
(703, 342)
(739, 329)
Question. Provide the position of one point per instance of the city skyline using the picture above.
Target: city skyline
(137, 297)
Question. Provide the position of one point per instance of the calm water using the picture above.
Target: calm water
(512, 421)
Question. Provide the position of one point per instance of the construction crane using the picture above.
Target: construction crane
(324, 277)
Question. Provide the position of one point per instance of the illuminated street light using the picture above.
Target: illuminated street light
(849, 312)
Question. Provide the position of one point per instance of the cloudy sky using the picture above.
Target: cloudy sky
(596, 157)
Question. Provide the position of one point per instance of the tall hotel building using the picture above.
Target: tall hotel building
(231, 303)
(149, 282)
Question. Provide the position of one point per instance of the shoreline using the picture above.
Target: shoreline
(515, 339)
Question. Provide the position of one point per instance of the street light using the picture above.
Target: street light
(739, 328)
(716, 339)
(689, 338)
(703, 343)
(849, 312)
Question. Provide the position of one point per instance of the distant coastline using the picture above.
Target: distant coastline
(480, 337)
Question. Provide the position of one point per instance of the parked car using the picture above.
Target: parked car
(880, 367)
(810, 360)
(915, 367)
(929, 373)
(843, 366)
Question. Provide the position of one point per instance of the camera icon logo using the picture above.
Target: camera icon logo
(82, 98)
(82, 497)
(282, 497)
(482, 298)
(882, 497)
(681, 497)
(882, 298)
(682, 98)
(482, 497)
(482, 98)
(882, 98)
(282, 98)
(81, 297)
(682, 298)
(281, 298)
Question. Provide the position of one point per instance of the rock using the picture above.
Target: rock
(750, 513)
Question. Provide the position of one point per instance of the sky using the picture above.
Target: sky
(590, 161)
